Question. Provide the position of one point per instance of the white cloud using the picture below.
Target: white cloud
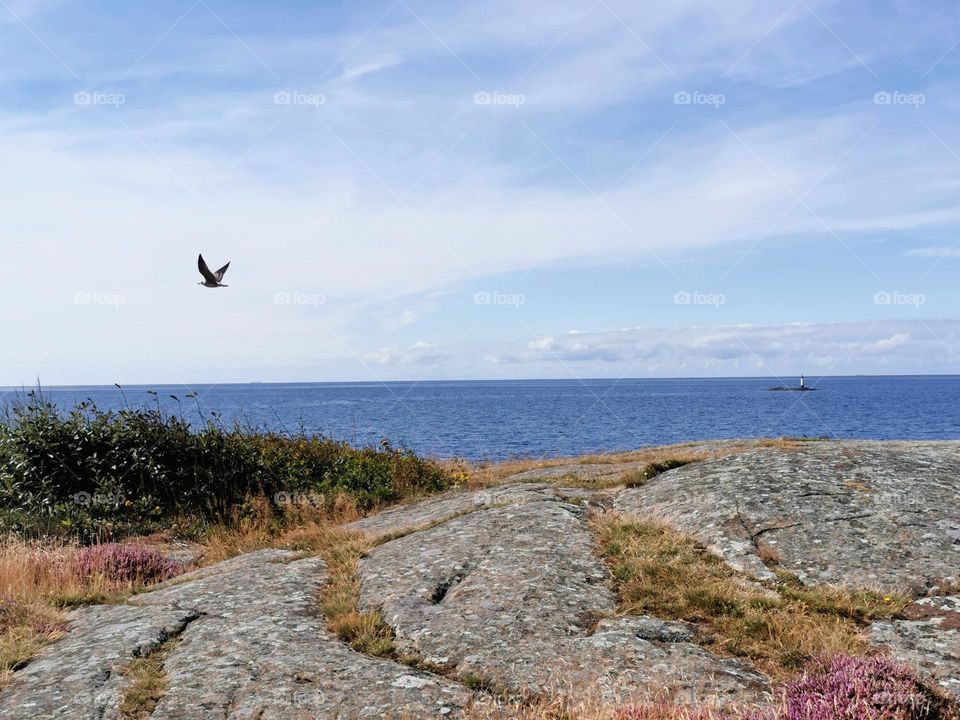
(371, 66)
(399, 185)
(544, 343)
(896, 340)
(742, 350)
(933, 252)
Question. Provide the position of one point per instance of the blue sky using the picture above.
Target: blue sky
(411, 190)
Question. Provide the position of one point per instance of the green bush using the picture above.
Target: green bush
(96, 473)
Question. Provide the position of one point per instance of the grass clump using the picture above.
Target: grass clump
(99, 474)
(25, 627)
(39, 580)
(148, 682)
(651, 470)
(365, 632)
(778, 627)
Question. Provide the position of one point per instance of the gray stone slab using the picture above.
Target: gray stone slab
(868, 514)
(513, 595)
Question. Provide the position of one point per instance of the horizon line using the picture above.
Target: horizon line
(40, 386)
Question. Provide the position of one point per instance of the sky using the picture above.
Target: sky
(415, 190)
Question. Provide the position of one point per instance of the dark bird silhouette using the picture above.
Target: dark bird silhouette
(211, 279)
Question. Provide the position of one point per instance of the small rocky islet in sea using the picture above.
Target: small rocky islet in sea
(477, 602)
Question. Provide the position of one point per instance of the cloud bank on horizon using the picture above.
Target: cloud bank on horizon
(409, 190)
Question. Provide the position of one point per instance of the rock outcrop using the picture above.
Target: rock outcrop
(866, 514)
(513, 596)
(251, 645)
(501, 589)
(928, 638)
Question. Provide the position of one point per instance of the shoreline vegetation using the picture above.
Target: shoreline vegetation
(97, 505)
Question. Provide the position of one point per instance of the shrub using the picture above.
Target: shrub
(876, 688)
(124, 564)
(98, 474)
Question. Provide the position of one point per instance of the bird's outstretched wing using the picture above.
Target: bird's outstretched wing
(221, 272)
(205, 271)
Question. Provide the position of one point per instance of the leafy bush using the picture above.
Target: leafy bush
(98, 473)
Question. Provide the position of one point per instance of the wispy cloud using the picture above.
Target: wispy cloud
(744, 350)
(382, 160)
(933, 252)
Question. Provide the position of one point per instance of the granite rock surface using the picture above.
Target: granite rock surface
(501, 589)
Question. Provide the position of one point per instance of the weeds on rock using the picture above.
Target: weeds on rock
(835, 687)
(147, 683)
(778, 627)
(651, 470)
(25, 627)
(38, 581)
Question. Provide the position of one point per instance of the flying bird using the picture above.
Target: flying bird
(211, 279)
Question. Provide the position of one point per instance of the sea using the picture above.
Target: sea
(492, 420)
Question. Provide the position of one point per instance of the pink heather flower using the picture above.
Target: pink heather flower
(839, 687)
(123, 564)
(834, 687)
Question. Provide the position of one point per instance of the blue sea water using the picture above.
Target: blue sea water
(542, 418)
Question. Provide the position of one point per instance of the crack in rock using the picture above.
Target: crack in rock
(254, 633)
(80, 675)
(525, 616)
(440, 592)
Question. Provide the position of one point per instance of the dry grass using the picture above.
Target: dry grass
(36, 582)
(259, 527)
(485, 474)
(38, 579)
(563, 706)
(769, 554)
(24, 629)
(45, 572)
(366, 632)
(581, 703)
(659, 572)
(148, 683)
